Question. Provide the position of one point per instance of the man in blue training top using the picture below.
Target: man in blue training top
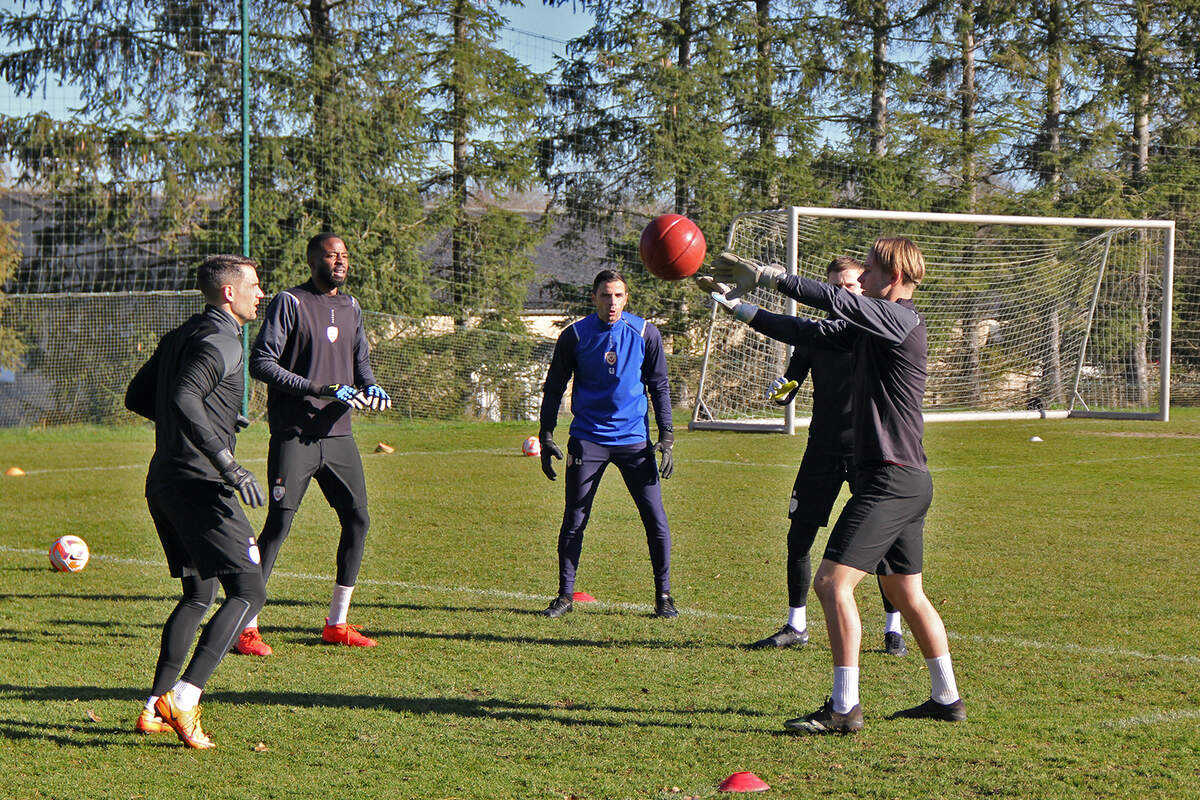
(614, 358)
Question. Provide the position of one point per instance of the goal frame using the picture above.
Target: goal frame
(1077, 407)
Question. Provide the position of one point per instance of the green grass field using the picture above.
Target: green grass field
(1066, 572)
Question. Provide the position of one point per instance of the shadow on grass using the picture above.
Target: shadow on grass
(85, 734)
(564, 713)
(299, 635)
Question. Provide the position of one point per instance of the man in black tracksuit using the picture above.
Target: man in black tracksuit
(313, 355)
(192, 389)
(826, 465)
(881, 528)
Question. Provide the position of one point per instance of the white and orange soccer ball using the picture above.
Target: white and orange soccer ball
(532, 447)
(69, 554)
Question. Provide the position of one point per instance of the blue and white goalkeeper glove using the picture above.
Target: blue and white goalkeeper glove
(377, 398)
(344, 393)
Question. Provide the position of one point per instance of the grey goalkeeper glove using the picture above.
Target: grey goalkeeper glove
(782, 391)
(743, 312)
(748, 275)
(549, 449)
(239, 478)
(665, 447)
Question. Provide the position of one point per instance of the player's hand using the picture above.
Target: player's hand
(665, 448)
(377, 398)
(748, 275)
(740, 311)
(549, 449)
(782, 391)
(345, 394)
(240, 478)
(708, 284)
(241, 423)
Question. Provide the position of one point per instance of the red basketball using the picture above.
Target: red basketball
(672, 247)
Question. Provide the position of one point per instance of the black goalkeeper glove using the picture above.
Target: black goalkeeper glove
(549, 449)
(241, 423)
(666, 441)
(240, 479)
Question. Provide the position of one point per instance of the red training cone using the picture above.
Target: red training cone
(743, 782)
(583, 597)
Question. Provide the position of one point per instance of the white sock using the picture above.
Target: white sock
(798, 617)
(251, 624)
(891, 622)
(150, 703)
(845, 688)
(339, 606)
(941, 680)
(187, 695)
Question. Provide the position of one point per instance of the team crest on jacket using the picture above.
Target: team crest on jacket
(610, 357)
(331, 333)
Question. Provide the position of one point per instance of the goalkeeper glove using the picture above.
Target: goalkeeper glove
(239, 478)
(377, 398)
(666, 442)
(549, 448)
(241, 423)
(747, 274)
(345, 394)
(782, 391)
(743, 312)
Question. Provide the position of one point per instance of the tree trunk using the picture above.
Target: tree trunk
(879, 70)
(682, 184)
(324, 100)
(968, 98)
(765, 75)
(1140, 103)
(1050, 158)
(458, 175)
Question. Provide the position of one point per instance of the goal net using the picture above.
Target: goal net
(1027, 316)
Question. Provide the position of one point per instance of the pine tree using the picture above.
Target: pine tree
(151, 160)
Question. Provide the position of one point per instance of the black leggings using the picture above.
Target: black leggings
(354, 521)
(244, 597)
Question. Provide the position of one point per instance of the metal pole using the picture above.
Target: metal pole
(245, 13)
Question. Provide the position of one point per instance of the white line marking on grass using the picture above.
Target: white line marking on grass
(420, 587)
(1034, 465)
(146, 463)
(1155, 719)
(1067, 647)
(1064, 647)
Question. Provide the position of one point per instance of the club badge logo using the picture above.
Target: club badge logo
(252, 552)
(610, 357)
(277, 492)
(331, 333)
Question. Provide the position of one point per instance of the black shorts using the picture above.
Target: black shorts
(818, 484)
(203, 530)
(880, 529)
(334, 461)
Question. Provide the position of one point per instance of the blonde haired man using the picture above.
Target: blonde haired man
(880, 528)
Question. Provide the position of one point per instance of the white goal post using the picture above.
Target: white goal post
(1028, 317)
